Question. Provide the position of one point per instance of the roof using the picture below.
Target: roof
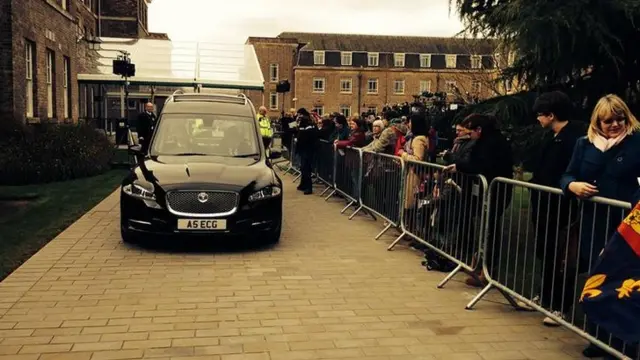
(391, 44)
(180, 64)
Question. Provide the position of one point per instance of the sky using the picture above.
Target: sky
(233, 21)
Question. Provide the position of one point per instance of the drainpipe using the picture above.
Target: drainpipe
(360, 91)
(99, 18)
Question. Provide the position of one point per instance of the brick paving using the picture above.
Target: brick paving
(328, 291)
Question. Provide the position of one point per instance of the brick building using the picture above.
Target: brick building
(359, 73)
(44, 44)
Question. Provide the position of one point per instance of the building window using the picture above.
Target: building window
(425, 60)
(346, 58)
(372, 86)
(319, 110)
(451, 61)
(29, 50)
(450, 86)
(50, 82)
(318, 57)
(372, 109)
(398, 60)
(273, 72)
(425, 86)
(318, 85)
(66, 87)
(476, 62)
(398, 87)
(373, 59)
(476, 87)
(273, 101)
(345, 110)
(346, 86)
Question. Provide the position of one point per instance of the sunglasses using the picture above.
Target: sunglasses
(618, 119)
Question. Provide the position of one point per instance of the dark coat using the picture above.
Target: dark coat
(490, 156)
(357, 139)
(145, 125)
(615, 173)
(307, 140)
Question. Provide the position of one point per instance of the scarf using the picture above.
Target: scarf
(407, 145)
(603, 144)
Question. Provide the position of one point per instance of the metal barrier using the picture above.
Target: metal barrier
(538, 247)
(347, 175)
(444, 212)
(381, 182)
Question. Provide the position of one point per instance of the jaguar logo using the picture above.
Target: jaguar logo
(203, 197)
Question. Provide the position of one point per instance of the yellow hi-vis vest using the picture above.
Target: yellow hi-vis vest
(265, 126)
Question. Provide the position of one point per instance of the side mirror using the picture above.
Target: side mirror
(274, 154)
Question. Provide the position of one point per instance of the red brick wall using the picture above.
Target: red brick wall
(124, 18)
(6, 62)
(274, 52)
(32, 19)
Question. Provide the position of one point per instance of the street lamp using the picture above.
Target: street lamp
(94, 43)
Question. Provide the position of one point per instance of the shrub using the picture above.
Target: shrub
(47, 152)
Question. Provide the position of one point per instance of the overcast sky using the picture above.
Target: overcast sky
(232, 21)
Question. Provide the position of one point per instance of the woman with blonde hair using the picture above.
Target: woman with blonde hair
(604, 163)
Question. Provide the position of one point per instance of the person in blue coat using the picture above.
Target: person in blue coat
(604, 163)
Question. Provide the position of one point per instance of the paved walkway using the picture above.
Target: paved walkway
(328, 291)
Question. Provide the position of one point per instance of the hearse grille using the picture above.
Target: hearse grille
(202, 202)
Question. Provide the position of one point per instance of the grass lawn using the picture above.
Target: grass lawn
(27, 225)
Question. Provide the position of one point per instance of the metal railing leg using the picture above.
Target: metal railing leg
(355, 212)
(386, 228)
(479, 297)
(297, 177)
(346, 207)
(396, 241)
(450, 276)
(325, 190)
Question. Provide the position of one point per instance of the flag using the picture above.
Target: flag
(611, 295)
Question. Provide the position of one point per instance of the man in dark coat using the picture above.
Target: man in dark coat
(553, 214)
(307, 139)
(145, 125)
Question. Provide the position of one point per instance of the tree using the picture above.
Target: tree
(589, 46)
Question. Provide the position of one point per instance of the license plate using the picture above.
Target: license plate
(202, 224)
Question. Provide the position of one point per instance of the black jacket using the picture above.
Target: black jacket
(490, 156)
(554, 154)
(307, 139)
(145, 125)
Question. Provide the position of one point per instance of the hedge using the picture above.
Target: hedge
(42, 153)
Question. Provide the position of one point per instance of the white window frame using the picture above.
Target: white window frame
(425, 86)
(346, 58)
(318, 57)
(373, 59)
(346, 113)
(319, 89)
(425, 60)
(273, 101)
(476, 61)
(449, 84)
(377, 87)
(50, 74)
(343, 89)
(475, 84)
(451, 61)
(398, 87)
(321, 108)
(272, 68)
(398, 59)
(66, 69)
(28, 50)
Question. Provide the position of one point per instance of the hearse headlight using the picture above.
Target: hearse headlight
(140, 189)
(266, 193)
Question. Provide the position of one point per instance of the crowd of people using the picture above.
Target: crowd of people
(582, 159)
